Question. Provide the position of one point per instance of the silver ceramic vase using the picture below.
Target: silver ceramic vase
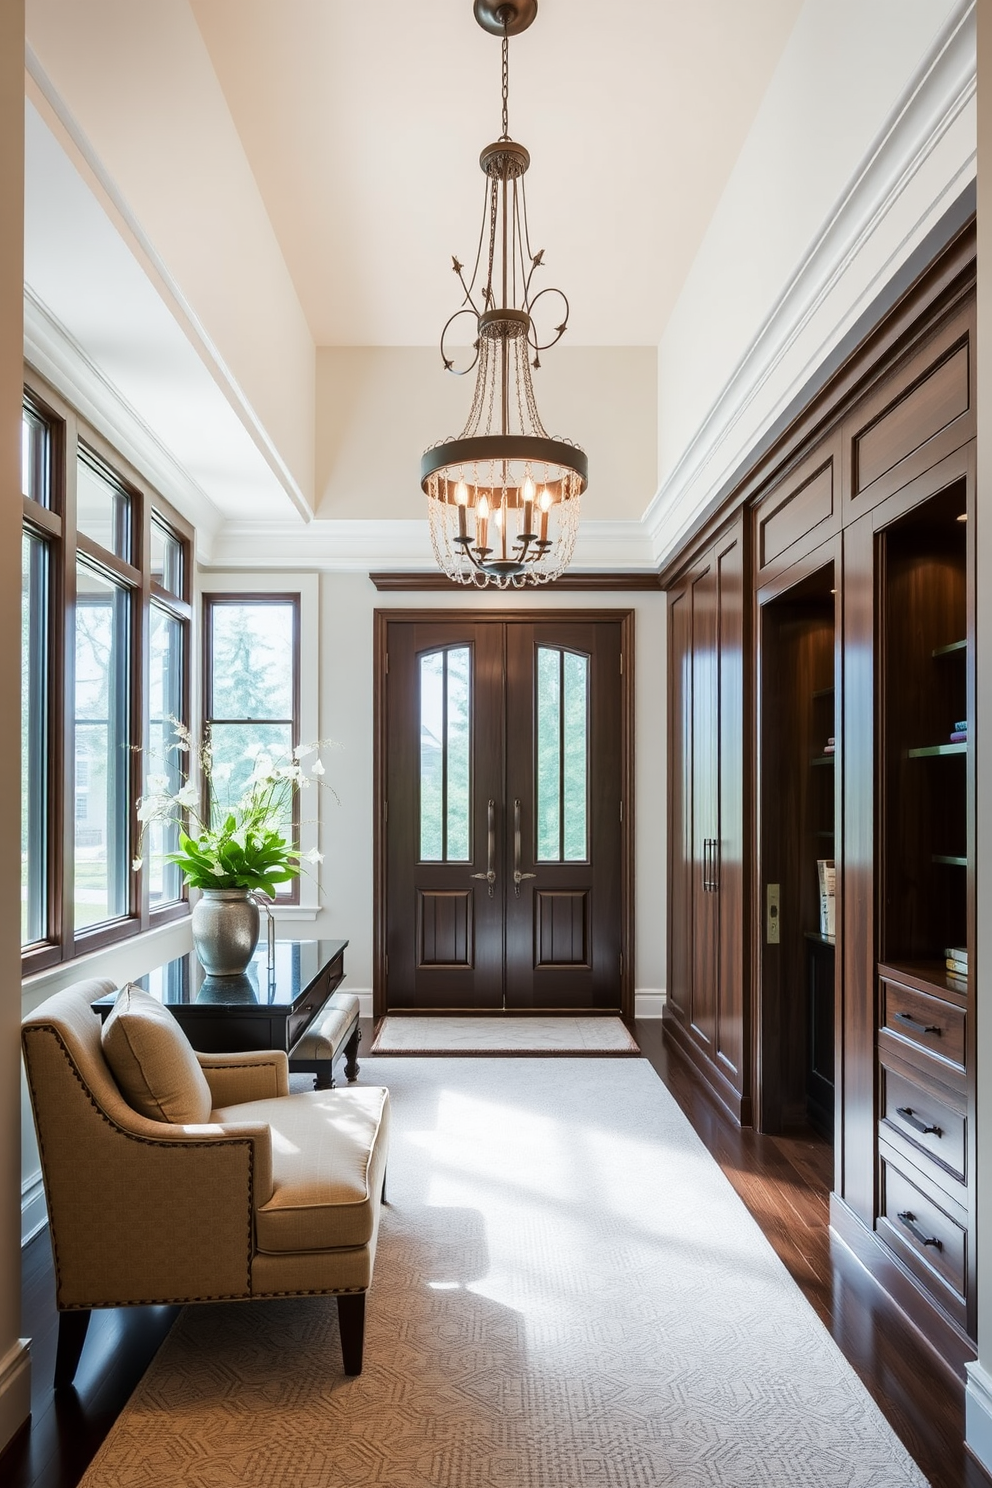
(225, 930)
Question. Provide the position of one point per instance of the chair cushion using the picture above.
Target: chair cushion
(325, 1146)
(153, 1061)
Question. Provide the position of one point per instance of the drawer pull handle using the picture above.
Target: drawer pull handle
(906, 1112)
(907, 1218)
(911, 1022)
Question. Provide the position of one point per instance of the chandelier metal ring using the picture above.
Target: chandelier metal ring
(504, 449)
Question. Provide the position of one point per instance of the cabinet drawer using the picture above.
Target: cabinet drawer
(930, 1241)
(297, 1023)
(930, 1123)
(923, 1022)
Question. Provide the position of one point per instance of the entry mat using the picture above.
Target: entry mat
(504, 1034)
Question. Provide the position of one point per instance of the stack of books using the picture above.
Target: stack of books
(827, 874)
(830, 745)
(956, 961)
(959, 734)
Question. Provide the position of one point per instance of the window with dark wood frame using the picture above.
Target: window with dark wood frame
(251, 692)
(106, 615)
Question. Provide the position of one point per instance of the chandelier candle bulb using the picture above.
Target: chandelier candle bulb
(504, 441)
(527, 520)
(545, 505)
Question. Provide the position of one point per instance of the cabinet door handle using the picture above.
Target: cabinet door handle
(910, 1022)
(907, 1218)
(906, 1112)
(490, 873)
(709, 865)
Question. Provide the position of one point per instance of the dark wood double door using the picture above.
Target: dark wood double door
(502, 788)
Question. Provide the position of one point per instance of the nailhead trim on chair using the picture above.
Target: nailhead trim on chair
(227, 1144)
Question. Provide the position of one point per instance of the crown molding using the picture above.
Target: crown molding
(53, 352)
(940, 90)
(364, 546)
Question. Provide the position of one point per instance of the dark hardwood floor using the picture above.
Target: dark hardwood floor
(784, 1182)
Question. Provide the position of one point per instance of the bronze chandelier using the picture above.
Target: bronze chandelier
(503, 496)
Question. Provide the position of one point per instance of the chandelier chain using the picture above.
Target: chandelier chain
(506, 82)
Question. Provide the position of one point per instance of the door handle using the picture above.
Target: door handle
(518, 877)
(710, 885)
(490, 873)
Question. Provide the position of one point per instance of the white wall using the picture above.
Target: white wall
(864, 138)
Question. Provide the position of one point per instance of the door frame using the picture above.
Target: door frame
(381, 619)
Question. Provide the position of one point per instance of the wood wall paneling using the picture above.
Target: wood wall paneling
(861, 629)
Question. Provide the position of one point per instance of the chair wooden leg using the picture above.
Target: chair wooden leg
(72, 1336)
(351, 1321)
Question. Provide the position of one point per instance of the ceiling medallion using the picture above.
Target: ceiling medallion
(503, 496)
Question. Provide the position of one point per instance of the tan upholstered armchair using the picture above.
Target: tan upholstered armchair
(264, 1194)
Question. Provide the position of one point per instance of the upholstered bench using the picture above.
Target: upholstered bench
(334, 1028)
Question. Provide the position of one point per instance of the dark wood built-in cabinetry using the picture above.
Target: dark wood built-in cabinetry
(821, 683)
(706, 817)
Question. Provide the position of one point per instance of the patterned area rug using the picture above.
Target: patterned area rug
(568, 1294)
(503, 1035)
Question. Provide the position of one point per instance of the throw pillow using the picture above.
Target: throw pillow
(153, 1061)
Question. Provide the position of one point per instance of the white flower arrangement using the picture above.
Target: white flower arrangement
(248, 849)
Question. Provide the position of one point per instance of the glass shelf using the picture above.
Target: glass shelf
(952, 862)
(823, 759)
(949, 650)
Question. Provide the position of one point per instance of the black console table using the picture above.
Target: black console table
(261, 1009)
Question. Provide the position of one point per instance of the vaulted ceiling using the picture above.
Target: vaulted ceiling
(363, 122)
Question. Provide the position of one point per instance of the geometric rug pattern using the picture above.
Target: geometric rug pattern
(567, 1294)
(560, 1034)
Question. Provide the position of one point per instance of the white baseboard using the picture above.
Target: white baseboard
(15, 1389)
(34, 1213)
(649, 1002)
(978, 1414)
(364, 995)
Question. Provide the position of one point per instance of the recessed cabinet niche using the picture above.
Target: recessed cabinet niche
(797, 789)
(847, 654)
